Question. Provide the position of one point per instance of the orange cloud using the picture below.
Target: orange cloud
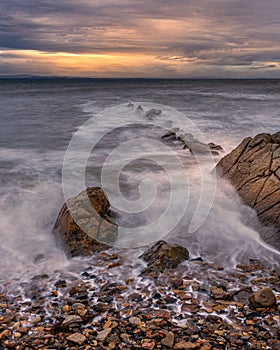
(123, 38)
(95, 65)
(131, 65)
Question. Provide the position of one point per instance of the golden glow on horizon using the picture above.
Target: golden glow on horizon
(88, 64)
(124, 64)
(123, 38)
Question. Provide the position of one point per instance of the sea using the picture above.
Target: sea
(59, 135)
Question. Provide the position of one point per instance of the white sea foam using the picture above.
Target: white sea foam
(29, 202)
(31, 194)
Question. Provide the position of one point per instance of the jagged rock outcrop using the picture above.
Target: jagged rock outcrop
(83, 225)
(254, 170)
(191, 143)
(163, 255)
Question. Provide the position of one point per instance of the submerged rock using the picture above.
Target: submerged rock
(171, 134)
(83, 225)
(191, 143)
(253, 168)
(153, 113)
(139, 108)
(215, 147)
(220, 293)
(163, 255)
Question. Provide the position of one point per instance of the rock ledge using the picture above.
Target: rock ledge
(253, 168)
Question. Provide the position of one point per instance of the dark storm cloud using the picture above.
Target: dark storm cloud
(211, 32)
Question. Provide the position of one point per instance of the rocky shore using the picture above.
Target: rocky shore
(113, 303)
(153, 298)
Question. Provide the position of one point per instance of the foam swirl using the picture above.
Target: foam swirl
(148, 115)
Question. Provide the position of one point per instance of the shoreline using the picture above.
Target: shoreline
(108, 305)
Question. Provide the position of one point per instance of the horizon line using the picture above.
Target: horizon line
(27, 76)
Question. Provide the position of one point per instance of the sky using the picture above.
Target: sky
(141, 38)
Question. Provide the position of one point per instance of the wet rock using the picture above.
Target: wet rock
(147, 314)
(196, 147)
(107, 299)
(40, 277)
(23, 330)
(163, 255)
(134, 320)
(168, 341)
(83, 225)
(66, 309)
(103, 335)
(114, 339)
(17, 335)
(243, 294)
(139, 108)
(79, 309)
(148, 344)
(10, 344)
(77, 338)
(126, 338)
(136, 297)
(264, 297)
(253, 168)
(253, 315)
(220, 293)
(184, 345)
(191, 143)
(60, 284)
(177, 282)
(5, 334)
(79, 291)
(71, 321)
(155, 323)
(171, 135)
(152, 114)
(169, 300)
(215, 147)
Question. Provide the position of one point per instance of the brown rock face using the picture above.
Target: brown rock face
(163, 255)
(83, 225)
(254, 170)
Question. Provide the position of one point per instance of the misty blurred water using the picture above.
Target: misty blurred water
(39, 118)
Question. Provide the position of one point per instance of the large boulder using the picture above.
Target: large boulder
(83, 225)
(264, 297)
(253, 168)
(163, 255)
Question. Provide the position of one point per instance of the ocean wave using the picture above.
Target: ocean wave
(239, 96)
